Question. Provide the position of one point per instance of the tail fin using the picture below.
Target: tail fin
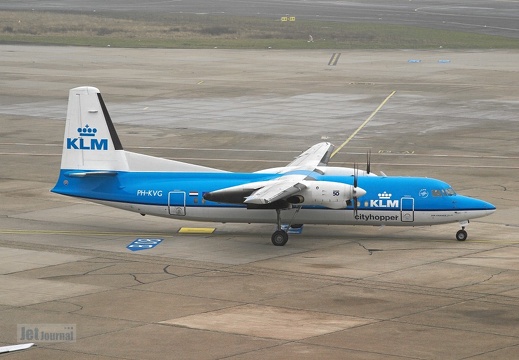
(90, 142)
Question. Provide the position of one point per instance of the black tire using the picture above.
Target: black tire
(461, 235)
(279, 238)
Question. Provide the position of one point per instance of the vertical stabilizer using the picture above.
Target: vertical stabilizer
(90, 142)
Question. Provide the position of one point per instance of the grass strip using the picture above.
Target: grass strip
(190, 31)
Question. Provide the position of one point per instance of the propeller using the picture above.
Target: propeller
(355, 176)
(355, 183)
(368, 162)
(355, 190)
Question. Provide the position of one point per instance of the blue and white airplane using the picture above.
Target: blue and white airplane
(95, 167)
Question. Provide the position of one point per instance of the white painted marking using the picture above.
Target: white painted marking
(11, 348)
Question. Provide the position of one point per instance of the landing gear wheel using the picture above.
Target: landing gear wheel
(279, 238)
(461, 235)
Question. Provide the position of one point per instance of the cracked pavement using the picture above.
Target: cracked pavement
(332, 292)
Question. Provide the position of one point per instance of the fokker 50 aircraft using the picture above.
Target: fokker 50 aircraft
(95, 167)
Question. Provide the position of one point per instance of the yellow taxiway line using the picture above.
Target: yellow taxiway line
(363, 124)
(197, 230)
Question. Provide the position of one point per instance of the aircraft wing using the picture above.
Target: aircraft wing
(278, 189)
(289, 183)
(319, 154)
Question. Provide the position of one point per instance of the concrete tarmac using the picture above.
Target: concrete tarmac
(331, 292)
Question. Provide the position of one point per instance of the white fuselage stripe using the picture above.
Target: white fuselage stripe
(303, 216)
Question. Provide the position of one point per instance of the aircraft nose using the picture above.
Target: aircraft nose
(482, 207)
(487, 207)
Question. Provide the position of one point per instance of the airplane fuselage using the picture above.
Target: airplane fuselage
(95, 167)
(392, 201)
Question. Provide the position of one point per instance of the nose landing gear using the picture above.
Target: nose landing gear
(461, 235)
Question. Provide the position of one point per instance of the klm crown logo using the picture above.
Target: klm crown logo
(87, 140)
(87, 131)
(385, 196)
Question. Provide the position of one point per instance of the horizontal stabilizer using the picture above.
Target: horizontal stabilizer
(91, 173)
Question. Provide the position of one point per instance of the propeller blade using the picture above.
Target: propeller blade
(355, 183)
(368, 162)
(355, 175)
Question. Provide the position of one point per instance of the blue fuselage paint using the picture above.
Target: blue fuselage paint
(388, 200)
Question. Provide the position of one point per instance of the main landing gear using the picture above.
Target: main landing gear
(279, 237)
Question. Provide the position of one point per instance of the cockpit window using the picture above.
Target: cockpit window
(443, 192)
(450, 191)
(436, 193)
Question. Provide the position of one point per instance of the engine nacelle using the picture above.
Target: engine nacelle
(296, 199)
(330, 194)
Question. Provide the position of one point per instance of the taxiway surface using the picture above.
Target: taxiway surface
(331, 292)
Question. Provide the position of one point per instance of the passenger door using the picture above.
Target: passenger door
(407, 209)
(177, 203)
